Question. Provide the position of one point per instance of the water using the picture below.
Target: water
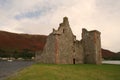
(111, 62)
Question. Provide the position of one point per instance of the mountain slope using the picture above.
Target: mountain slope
(21, 41)
(109, 55)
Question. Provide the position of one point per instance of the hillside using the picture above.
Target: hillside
(16, 41)
(107, 54)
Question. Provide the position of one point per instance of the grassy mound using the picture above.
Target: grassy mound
(68, 72)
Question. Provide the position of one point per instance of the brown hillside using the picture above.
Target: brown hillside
(107, 53)
(21, 41)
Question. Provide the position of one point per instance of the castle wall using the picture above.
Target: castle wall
(78, 52)
(63, 48)
(65, 42)
(48, 54)
(91, 46)
(59, 46)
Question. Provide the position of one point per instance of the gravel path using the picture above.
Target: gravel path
(9, 68)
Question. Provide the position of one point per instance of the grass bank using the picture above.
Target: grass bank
(68, 72)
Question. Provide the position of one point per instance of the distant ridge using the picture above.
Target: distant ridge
(109, 55)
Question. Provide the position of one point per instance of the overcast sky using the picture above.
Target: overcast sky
(41, 16)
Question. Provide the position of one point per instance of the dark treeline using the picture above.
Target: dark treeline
(112, 58)
(116, 56)
(25, 54)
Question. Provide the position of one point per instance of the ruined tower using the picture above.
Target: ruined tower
(59, 46)
(91, 46)
(63, 48)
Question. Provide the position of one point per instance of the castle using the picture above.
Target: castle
(63, 48)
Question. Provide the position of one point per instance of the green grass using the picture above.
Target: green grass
(68, 72)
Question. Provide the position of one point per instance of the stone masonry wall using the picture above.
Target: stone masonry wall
(63, 48)
(78, 53)
(48, 54)
(59, 46)
(65, 42)
(91, 46)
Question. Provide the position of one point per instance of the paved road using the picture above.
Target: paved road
(8, 68)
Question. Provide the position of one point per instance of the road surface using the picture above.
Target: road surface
(8, 68)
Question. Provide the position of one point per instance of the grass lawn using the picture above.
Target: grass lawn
(68, 72)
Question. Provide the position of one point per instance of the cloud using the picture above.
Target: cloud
(40, 16)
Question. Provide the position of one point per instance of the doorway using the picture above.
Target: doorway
(73, 60)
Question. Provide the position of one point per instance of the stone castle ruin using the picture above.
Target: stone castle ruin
(63, 48)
